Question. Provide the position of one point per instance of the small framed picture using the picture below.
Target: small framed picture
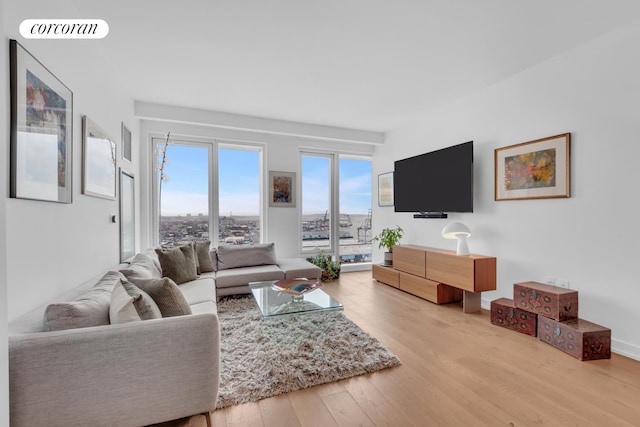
(282, 189)
(98, 162)
(385, 189)
(536, 169)
(126, 143)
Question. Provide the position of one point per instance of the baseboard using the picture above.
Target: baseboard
(620, 347)
(625, 349)
(356, 266)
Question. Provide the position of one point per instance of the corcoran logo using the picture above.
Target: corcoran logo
(64, 29)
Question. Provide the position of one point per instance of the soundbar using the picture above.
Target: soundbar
(430, 215)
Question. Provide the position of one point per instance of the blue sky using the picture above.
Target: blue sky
(186, 187)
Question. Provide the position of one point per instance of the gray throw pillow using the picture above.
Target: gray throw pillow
(166, 294)
(246, 256)
(178, 264)
(204, 257)
(88, 309)
(144, 265)
(144, 304)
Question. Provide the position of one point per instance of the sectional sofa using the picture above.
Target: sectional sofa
(136, 345)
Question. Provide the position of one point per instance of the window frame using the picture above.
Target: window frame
(212, 146)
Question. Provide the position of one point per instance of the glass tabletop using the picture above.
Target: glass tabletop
(276, 303)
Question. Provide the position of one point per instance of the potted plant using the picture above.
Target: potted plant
(330, 268)
(388, 238)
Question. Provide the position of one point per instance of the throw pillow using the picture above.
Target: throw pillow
(246, 256)
(144, 265)
(88, 309)
(166, 294)
(178, 264)
(204, 257)
(130, 304)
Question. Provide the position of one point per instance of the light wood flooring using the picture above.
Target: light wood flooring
(457, 370)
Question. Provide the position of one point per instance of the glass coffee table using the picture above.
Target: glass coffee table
(277, 303)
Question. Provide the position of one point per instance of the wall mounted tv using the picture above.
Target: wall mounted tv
(436, 182)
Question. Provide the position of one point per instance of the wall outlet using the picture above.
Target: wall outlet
(563, 283)
(549, 280)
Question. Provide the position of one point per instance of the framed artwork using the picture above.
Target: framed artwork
(533, 170)
(385, 189)
(41, 131)
(98, 162)
(126, 143)
(127, 216)
(282, 189)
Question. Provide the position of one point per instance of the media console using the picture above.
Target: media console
(439, 276)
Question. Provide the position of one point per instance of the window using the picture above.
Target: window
(207, 191)
(355, 210)
(347, 185)
(316, 203)
(239, 174)
(183, 183)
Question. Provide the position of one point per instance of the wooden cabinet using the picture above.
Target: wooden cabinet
(428, 289)
(439, 276)
(386, 275)
(473, 273)
(410, 259)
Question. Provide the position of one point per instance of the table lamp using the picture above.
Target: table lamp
(457, 230)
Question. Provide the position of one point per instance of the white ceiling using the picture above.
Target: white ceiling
(361, 64)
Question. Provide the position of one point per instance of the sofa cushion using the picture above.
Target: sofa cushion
(130, 303)
(199, 290)
(179, 263)
(246, 256)
(242, 276)
(166, 294)
(145, 265)
(89, 309)
(295, 268)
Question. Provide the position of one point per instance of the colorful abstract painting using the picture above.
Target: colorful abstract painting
(41, 131)
(282, 192)
(46, 114)
(536, 169)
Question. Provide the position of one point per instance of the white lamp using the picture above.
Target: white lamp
(457, 230)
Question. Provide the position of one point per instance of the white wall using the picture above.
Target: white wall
(54, 247)
(4, 149)
(591, 238)
(281, 153)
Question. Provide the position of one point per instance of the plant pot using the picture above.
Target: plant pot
(388, 258)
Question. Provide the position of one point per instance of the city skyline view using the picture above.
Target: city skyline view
(186, 187)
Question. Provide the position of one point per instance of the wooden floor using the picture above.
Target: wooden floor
(457, 370)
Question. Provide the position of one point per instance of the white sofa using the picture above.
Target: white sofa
(129, 374)
(70, 366)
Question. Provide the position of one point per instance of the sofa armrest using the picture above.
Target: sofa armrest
(129, 374)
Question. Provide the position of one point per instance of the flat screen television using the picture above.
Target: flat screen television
(436, 182)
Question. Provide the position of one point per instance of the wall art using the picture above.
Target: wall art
(385, 189)
(126, 143)
(98, 162)
(282, 189)
(41, 131)
(127, 216)
(538, 169)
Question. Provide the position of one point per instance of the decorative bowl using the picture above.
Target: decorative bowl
(296, 287)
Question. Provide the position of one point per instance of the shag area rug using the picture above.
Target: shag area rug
(261, 358)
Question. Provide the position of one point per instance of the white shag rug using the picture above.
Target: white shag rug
(261, 358)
